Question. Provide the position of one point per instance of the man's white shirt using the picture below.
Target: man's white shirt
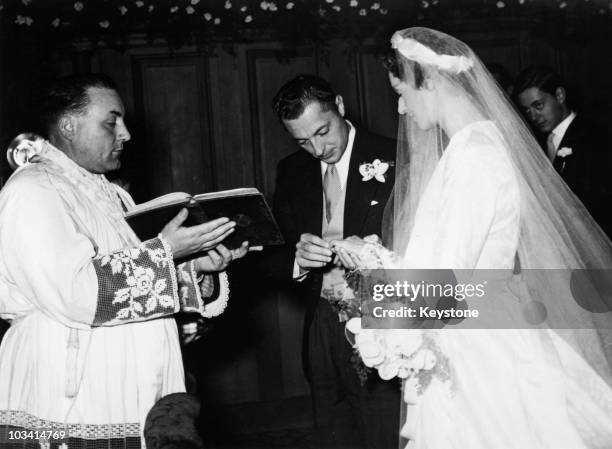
(561, 129)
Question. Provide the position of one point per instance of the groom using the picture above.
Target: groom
(320, 196)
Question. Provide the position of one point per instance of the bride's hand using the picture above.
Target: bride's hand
(348, 251)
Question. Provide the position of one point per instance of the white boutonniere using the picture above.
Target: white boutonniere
(564, 152)
(376, 169)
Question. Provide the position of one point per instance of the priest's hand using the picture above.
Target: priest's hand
(219, 258)
(193, 239)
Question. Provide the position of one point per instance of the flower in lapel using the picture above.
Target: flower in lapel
(376, 169)
(563, 153)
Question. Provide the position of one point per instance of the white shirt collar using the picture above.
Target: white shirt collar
(342, 166)
(561, 129)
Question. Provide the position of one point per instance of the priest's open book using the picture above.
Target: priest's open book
(246, 206)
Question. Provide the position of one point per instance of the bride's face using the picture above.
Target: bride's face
(419, 104)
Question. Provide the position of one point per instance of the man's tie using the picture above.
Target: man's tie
(551, 149)
(331, 189)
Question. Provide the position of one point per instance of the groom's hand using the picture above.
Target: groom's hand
(312, 252)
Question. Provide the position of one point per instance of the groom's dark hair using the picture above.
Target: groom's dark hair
(291, 100)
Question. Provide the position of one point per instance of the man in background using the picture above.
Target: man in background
(320, 196)
(577, 147)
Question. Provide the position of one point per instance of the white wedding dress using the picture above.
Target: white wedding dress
(507, 389)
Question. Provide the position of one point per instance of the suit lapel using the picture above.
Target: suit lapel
(358, 193)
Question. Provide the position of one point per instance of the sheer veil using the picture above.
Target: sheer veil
(556, 231)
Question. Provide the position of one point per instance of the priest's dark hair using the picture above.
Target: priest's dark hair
(297, 93)
(68, 95)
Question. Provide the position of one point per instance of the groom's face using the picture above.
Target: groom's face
(322, 133)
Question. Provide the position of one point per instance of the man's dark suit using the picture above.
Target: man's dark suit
(347, 414)
(587, 170)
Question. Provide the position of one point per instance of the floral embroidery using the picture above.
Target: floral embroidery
(146, 292)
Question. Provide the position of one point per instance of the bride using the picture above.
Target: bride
(474, 191)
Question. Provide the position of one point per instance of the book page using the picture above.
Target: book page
(227, 193)
(160, 201)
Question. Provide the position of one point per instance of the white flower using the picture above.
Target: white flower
(372, 353)
(26, 2)
(388, 370)
(362, 12)
(208, 16)
(174, 9)
(272, 6)
(195, 2)
(336, 8)
(151, 8)
(376, 169)
(264, 5)
(123, 10)
(217, 21)
(189, 10)
(290, 5)
(354, 3)
(228, 4)
(329, 1)
(139, 4)
(383, 11)
(500, 4)
(78, 6)
(243, 9)
(564, 152)
(375, 6)
(248, 19)
(354, 325)
(56, 22)
(403, 341)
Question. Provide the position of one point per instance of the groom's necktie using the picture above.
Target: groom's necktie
(331, 189)
(551, 148)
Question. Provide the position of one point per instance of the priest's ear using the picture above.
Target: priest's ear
(67, 127)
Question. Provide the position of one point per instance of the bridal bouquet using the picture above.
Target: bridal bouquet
(410, 354)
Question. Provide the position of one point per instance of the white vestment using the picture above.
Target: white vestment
(92, 343)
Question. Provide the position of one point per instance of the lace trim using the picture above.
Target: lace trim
(133, 284)
(218, 306)
(85, 431)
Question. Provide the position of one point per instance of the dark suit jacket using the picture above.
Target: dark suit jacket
(587, 170)
(298, 203)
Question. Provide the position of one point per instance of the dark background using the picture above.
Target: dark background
(198, 99)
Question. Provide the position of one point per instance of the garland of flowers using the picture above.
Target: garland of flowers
(246, 20)
(230, 20)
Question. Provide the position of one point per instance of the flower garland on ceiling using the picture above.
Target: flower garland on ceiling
(233, 20)
(246, 20)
